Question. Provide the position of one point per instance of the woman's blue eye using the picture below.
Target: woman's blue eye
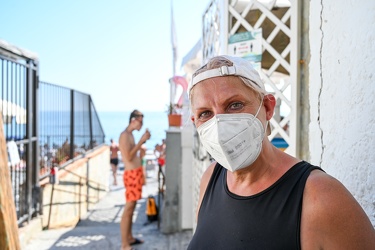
(236, 105)
(203, 115)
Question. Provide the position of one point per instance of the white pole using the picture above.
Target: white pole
(174, 51)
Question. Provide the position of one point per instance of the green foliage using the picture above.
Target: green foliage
(173, 108)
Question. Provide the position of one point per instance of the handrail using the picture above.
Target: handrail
(83, 177)
(83, 180)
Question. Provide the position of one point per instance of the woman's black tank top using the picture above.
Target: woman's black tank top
(268, 220)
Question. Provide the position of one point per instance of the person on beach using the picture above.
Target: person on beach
(159, 153)
(160, 156)
(142, 154)
(113, 148)
(157, 150)
(255, 196)
(134, 176)
(163, 147)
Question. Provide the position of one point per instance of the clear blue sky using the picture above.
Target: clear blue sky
(118, 51)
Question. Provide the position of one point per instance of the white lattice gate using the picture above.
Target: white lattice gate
(279, 21)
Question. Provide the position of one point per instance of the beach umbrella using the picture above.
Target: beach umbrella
(9, 110)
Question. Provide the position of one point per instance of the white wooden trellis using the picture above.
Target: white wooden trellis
(224, 18)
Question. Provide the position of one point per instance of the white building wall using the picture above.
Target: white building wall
(342, 94)
(187, 209)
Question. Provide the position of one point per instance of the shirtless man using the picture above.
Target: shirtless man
(134, 177)
(114, 160)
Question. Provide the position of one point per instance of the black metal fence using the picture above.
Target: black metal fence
(49, 124)
(68, 126)
(18, 88)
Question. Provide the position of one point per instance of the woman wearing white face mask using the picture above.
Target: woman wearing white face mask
(255, 196)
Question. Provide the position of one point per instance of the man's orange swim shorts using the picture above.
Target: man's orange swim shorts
(133, 182)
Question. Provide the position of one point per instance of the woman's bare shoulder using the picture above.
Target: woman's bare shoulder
(331, 216)
(204, 182)
(208, 172)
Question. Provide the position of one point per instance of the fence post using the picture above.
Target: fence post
(87, 184)
(36, 189)
(71, 124)
(90, 119)
(50, 206)
(79, 198)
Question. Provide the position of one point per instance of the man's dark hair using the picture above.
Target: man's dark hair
(136, 113)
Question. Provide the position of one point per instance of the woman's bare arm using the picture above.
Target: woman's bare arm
(332, 218)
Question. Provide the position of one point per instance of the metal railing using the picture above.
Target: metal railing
(18, 87)
(68, 126)
(49, 124)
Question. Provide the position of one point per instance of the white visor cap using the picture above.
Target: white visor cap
(241, 67)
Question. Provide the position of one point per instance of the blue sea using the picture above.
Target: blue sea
(114, 123)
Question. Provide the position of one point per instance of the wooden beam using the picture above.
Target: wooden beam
(9, 239)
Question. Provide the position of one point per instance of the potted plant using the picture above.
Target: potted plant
(174, 115)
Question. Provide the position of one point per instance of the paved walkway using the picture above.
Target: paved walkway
(101, 227)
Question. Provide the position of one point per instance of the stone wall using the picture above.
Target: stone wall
(66, 202)
(80, 185)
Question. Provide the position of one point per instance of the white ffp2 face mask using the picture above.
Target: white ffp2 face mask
(233, 140)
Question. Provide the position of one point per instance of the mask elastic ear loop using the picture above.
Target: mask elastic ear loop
(265, 128)
(261, 102)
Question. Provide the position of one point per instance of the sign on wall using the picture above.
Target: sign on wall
(247, 45)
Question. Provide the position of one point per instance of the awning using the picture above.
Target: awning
(192, 54)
